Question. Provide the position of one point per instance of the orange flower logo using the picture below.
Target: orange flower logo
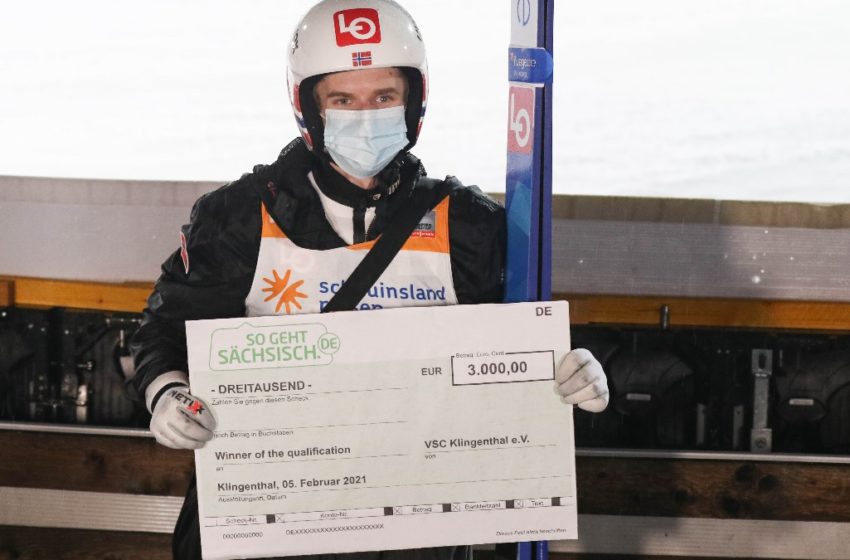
(288, 294)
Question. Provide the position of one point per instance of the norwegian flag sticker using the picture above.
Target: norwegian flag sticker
(363, 58)
(357, 27)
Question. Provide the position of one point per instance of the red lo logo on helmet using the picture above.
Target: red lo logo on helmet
(358, 26)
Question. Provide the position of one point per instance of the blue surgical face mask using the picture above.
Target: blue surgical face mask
(362, 143)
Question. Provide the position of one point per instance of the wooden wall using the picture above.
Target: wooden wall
(584, 308)
(30, 543)
(657, 487)
(606, 485)
(666, 487)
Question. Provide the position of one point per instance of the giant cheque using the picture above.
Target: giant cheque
(390, 429)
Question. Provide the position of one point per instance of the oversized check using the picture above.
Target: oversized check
(389, 429)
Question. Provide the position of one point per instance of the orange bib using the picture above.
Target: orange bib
(292, 279)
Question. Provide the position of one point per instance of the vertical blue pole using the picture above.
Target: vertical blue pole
(528, 189)
(545, 259)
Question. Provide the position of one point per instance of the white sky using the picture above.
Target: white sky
(683, 98)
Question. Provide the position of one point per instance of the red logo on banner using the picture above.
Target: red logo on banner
(356, 27)
(521, 119)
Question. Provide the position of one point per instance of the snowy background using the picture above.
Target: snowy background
(676, 98)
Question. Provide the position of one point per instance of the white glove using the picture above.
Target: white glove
(181, 421)
(579, 380)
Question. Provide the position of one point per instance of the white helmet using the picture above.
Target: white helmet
(342, 35)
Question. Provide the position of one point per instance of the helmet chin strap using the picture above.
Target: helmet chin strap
(312, 117)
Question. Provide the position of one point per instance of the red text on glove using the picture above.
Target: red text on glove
(195, 408)
(192, 405)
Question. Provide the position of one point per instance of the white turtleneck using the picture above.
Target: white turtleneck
(341, 216)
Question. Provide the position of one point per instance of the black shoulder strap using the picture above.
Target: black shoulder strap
(386, 247)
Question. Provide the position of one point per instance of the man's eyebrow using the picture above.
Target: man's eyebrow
(382, 91)
(385, 91)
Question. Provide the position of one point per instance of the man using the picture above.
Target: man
(283, 238)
